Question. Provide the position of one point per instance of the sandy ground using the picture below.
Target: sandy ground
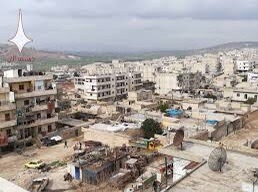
(12, 165)
(12, 168)
(249, 133)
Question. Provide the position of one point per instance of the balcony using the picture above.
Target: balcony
(36, 93)
(4, 89)
(39, 108)
(44, 121)
(38, 122)
(6, 106)
(28, 78)
(104, 82)
(5, 124)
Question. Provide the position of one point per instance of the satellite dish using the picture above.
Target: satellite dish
(178, 138)
(254, 145)
(217, 159)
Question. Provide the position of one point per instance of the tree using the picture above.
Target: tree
(210, 96)
(150, 127)
(163, 107)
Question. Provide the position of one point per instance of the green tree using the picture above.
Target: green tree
(210, 96)
(150, 127)
(163, 107)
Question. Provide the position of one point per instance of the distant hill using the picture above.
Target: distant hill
(158, 54)
(229, 46)
(45, 59)
(9, 50)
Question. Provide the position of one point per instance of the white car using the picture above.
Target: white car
(56, 138)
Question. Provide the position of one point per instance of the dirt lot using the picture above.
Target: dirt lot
(248, 133)
(12, 168)
(12, 165)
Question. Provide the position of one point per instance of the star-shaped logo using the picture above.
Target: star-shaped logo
(20, 39)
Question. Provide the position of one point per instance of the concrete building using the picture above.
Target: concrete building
(108, 86)
(245, 66)
(244, 94)
(252, 77)
(7, 119)
(35, 99)
(176, 81)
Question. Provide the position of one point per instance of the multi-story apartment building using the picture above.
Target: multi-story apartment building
(35, 99)
(244, 66)
(108, 86)
(7, 118)
(252, 77)
(175, 81)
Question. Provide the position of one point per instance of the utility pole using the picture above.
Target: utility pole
(166, 169)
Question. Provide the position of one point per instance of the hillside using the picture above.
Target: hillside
(230, 46)
(9, 50)
(45, 59)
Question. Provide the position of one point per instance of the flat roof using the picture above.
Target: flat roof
(73, 122)
(233, 174)
(246, 91)
(7, 186)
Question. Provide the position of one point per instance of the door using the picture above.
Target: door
(77, 173)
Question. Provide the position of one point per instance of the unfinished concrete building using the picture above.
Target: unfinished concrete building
(35, 98)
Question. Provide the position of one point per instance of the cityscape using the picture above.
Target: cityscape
(138, 118)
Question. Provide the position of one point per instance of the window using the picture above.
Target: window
(245, 96)
(7, 117)
(26, 102)
(238, 94)
(8, 132)
(21, 87)
(39, 129)
(49, 128)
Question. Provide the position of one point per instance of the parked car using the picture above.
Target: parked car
(49, 142)
(35, 164)
(56, 138)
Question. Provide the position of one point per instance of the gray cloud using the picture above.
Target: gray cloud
(115, 25)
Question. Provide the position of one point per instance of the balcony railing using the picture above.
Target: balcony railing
(5, 124)
(36, 93)
(6, 106)
(39, 108)
(4, 89)
(28, 78)
(38, 122)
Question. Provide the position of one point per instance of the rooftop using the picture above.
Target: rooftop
(234, 172)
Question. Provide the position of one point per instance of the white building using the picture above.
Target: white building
(252, 77)
(244, 66)
(108, 86)
(244, 94)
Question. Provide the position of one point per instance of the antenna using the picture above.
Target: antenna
(217, 159)
(178, 138)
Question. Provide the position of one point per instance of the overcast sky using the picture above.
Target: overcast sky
(130, 25)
